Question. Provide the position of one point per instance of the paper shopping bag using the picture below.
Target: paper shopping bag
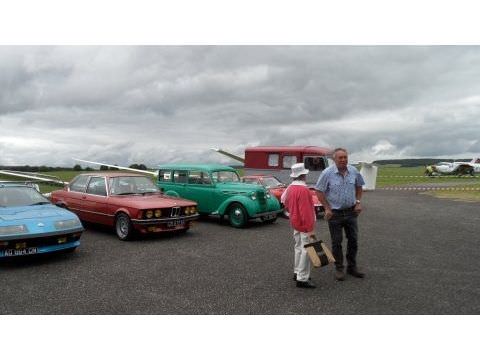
(319, 254)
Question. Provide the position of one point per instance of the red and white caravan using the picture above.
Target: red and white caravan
(278, 160)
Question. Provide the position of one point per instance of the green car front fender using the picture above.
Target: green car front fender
(247, 203)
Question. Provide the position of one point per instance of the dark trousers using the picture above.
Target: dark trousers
(344, 219)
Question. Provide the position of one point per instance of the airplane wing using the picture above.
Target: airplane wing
(34, 176)
(223, 152)
(118, 167)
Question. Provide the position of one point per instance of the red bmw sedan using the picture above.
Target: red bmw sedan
(128, 202)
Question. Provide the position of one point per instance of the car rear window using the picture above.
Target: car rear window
(79, 183)
(180, 176)
(97, 186)
(165, 175)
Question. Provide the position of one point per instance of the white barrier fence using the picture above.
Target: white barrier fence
(429, 188)
(429, 177)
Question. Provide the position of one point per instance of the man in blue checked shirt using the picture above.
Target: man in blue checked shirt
(339, 189)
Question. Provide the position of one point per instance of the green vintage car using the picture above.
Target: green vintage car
(219, 191)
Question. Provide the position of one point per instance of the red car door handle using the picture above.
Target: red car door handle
(84, 196)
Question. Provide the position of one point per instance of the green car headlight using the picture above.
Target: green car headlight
(253, 196)
(267, 195)
(67, 224)
(13, 229)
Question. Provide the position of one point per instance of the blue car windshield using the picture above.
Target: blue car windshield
(21, 196)
(225, 176)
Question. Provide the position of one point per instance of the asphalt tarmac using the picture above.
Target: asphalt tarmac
(420, 254)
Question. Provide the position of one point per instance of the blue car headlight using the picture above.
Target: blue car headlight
(13, 230)
(67, 224)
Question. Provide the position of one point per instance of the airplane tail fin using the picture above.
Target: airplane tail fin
(223, 152)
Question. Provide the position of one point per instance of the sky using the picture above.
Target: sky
(159, 104)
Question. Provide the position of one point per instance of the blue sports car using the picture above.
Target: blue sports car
(30, 224)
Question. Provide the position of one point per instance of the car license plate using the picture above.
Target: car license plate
(269, 217)
(176, 223)
(20, 252)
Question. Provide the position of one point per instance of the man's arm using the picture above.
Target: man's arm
(323, 200)
(320, 188)
(358, 197)
(359, 182)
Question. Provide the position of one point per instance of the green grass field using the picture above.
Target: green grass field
(393, 175)
(403, 176)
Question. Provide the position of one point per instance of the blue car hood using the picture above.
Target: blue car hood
(34, 212)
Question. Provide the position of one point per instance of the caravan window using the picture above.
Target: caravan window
(273, 160)
(314, 163)
(288, 161)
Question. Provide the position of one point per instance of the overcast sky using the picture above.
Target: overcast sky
(160, 104)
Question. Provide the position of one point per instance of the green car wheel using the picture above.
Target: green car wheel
(237, 215)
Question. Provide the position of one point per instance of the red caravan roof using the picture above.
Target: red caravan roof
(303, 149)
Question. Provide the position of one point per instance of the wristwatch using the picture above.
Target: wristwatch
(357, 202)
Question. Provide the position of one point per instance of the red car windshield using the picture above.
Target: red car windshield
(271, 182)
(128, 185)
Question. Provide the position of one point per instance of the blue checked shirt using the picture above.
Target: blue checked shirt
(339, 190)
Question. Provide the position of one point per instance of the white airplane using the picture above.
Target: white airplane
(34, 176)
(454, 168)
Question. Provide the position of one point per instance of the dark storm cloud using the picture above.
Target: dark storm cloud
(157, 104)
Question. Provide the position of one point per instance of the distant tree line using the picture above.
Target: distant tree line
(77, 167)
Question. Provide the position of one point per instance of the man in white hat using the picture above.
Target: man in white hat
(298, 201)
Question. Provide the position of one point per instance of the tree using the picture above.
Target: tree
(138, 166)
(77, 168)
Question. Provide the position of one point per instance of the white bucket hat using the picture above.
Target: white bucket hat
(298, 169)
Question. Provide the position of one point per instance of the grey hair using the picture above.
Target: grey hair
(337, 150)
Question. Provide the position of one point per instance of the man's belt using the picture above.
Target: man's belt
(343, 211)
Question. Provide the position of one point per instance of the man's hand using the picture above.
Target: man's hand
(358, 208)
(328, 214)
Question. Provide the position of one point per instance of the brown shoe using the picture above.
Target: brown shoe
(356, 273)
(339, 275)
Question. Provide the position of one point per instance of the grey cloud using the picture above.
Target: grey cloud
(172, 103)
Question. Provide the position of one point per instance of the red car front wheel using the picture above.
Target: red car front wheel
(123, 227)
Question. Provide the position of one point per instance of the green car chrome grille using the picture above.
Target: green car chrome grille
(261, 196)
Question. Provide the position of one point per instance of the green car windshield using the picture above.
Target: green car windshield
(225, 176)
